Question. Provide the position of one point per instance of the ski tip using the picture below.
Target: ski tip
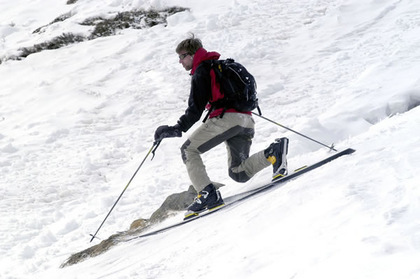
(349, 151)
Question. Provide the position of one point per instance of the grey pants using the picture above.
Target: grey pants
(236, 130)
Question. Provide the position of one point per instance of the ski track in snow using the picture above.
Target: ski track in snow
(76, 122)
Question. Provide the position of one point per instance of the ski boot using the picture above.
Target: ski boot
(276, 155)
(208, 199)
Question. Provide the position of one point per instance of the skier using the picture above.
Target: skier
(234, 128)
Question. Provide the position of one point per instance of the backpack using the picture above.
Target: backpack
(237, 85)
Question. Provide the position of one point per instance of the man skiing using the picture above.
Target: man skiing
(234, 128)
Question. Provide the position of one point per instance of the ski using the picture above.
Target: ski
(229, 201)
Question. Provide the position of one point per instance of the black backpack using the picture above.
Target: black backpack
(236, 84)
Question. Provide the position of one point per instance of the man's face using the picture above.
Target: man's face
(186, 60)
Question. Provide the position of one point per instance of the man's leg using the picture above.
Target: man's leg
(242, 167)
(208, 135)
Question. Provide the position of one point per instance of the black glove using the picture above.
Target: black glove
(166, 131)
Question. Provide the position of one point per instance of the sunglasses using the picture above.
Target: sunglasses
(182, 56)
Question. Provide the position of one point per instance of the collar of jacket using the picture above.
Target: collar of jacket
(202, 55)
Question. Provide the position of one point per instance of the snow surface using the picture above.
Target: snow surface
(76, 122)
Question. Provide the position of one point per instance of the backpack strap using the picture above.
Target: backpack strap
(216, 94)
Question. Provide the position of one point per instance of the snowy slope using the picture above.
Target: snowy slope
(76, 122)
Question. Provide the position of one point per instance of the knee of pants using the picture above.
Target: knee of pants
(186, 149)
(239, 176)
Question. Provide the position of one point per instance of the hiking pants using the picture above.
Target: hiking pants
(236, 130)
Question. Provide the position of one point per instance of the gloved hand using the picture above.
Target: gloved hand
(166, 131)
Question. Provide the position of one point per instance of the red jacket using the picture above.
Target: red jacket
(204, 89)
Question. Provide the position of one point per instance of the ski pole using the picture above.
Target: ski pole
(300, 134)
(151, 150)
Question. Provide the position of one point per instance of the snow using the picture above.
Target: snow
(76, 122)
